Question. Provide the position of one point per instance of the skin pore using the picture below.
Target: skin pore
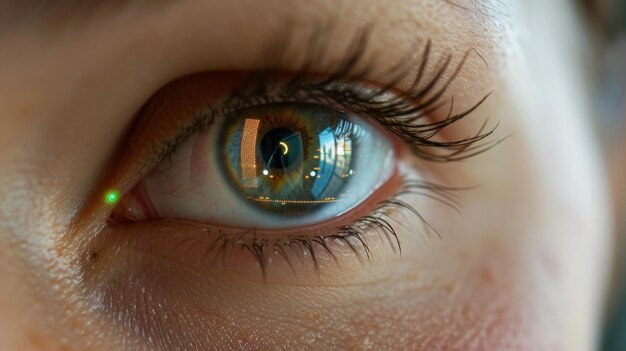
(523, 265)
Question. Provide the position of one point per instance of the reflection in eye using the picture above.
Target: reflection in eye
(274, 166)
(303, 160)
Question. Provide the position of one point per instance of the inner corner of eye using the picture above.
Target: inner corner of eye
(276, 166)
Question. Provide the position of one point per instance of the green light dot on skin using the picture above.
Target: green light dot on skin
(111, 197)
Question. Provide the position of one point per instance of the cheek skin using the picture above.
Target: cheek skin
(457, 297)
(494, 281)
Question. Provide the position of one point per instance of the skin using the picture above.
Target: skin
(522, 268)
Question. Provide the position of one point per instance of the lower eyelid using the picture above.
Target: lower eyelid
(205, 247)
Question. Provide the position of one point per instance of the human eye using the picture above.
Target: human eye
(275, 166)
(293, 170)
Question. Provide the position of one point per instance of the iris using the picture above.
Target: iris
(296, 159)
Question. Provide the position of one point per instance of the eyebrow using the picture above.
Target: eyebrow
(489, 8)
(62, 12)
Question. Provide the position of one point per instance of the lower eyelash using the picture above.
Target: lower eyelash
(381, 221)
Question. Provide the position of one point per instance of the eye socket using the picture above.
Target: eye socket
(276, 166)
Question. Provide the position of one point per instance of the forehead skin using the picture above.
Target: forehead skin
(534, 241)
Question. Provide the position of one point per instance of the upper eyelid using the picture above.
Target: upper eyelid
(423, 97)
(398, 114)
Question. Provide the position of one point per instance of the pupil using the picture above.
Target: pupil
(279, 148)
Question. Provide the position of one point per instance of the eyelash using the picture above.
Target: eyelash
(352, 235)
(396, 113)
(342, 89)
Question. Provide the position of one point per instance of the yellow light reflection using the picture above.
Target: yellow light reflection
(341, 149)
(282, 202)
(285, 147)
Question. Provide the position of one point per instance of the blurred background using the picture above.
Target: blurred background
(608, 18)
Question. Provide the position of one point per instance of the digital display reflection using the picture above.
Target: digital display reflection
(247, 153)
(293, 159)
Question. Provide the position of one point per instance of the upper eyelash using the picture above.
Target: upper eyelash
(344, 88)
(398, 114)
